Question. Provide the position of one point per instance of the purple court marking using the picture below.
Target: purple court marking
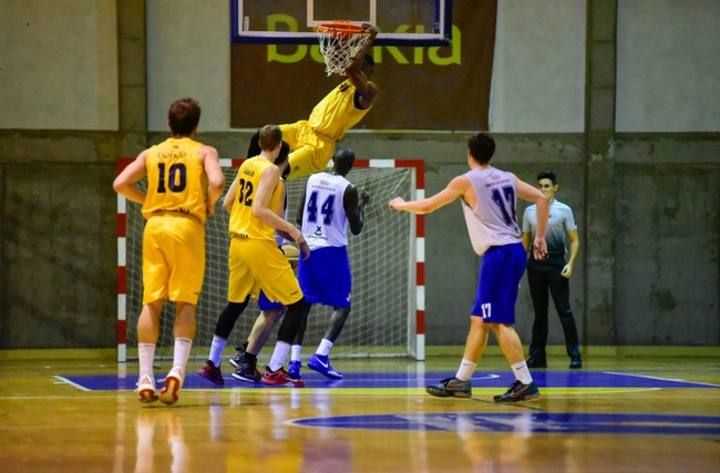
(524, 423)
(555, 379)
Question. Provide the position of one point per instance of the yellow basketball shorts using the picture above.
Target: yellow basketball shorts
(173, 259)
(259, 264)
(310, 152)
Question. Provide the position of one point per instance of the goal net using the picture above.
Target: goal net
(386, 317)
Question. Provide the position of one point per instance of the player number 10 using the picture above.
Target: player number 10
(176, 178)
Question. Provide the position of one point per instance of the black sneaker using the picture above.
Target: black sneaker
(235, 360)
(536, 362)
(451, 387)
(575, 363)
(247, 369)
(519, 392)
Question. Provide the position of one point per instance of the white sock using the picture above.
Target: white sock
(522, 373)
(216, 350)
(280, 354)
(146, 356)
(181, 353)
(466, 370)
(324, 348)
(296, 353)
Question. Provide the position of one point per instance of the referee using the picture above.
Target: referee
(552, 273)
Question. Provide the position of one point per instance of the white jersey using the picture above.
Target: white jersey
(324, 220)
(493, 221)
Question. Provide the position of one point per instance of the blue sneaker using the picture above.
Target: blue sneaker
(322, 365)
(294, 369)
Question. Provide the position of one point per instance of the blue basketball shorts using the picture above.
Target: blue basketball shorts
(498, 283)
(266, 304)
(325, 277)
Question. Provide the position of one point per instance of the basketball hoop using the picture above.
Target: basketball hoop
(340, 42)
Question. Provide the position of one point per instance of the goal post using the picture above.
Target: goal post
(387, 261)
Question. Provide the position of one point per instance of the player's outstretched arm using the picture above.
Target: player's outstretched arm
(367, 89)
(354, 204)
(531, 194)
(456, 188)
(124, 183)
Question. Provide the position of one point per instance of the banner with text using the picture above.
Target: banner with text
(437, 88)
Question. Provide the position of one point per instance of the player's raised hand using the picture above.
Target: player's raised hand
(370, 28)
(396, 203)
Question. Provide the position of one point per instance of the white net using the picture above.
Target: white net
(382, 258)
(339, 49)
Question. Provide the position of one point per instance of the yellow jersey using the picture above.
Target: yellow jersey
(243, 224)
(177, 182)
(336, 113)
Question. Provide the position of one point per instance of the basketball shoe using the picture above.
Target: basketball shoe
(235, 360)
(322, 365)
(451, 387)
(280, 377)
(246, 369)
(294, 369)
(146, 389)
(212, 373)
(519, 392)
(173, 382)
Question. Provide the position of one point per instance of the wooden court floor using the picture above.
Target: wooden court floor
(646, 414)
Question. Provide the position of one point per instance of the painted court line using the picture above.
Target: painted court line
(64, 380)
(676, 380)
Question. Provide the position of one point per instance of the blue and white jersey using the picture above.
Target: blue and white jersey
(324, 221)
(493, 221)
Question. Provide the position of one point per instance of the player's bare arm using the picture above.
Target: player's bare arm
(531, 194)
(124, 183)
(367, 89)
(261, 209)
(354, 205)
(230, 196)
(216, 178)
(281, 210)
(458, 187)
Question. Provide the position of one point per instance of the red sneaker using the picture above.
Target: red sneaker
(280, 377)
(212, 373)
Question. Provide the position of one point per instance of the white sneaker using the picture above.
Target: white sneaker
(146, 389)
(173, 383)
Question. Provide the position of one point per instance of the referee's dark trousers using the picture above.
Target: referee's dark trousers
(543, 277)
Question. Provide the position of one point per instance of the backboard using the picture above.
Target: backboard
(400, 22)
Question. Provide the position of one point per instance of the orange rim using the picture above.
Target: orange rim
(340, 27)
